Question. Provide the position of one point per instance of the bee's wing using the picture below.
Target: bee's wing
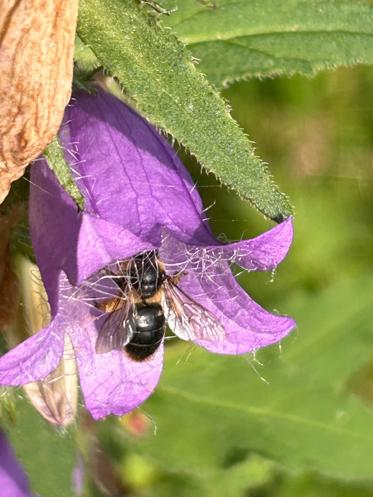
(189, 320)
(117, 329)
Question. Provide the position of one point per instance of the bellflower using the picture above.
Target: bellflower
(138, 197)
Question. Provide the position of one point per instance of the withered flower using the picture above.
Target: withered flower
(55, 397)
(36, 66)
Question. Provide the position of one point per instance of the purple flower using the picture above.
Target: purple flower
(13, 480)
(138, 197)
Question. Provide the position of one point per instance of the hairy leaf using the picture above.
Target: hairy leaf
(240, 39)
(155, 71)
(58, 164)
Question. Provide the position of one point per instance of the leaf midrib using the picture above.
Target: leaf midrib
(234, 35)
(258, 411)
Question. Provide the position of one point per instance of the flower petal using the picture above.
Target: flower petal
(248, 326)
(129, 174)
(100, 243)
(54, 226)
(34, 358)
(210, 282)
(13, 479)
(112, 383)
(264, 252)
(78, 243)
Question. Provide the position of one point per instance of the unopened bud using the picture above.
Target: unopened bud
(136, 423)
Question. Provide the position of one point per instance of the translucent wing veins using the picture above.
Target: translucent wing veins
(189, 320)
(117, 329)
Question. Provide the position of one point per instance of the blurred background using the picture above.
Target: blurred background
(295, 419)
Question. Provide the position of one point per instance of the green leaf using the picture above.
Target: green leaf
(240, 39)
(86, 65)
(84, 58)
(309, 486)
(47, 455)
(234, 481)
(302, 417)
(157, 73)
(56, 161)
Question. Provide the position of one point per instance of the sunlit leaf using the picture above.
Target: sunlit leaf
(255, 38)
(156, 72)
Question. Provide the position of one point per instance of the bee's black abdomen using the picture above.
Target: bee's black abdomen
(149, 330)
(141, 352)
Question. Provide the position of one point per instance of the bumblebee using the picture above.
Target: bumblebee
(148, 299)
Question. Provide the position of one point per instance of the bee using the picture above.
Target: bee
(147, 300)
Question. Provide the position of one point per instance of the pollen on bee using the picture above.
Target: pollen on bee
(110, 305)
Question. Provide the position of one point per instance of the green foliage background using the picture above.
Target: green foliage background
(296, 419)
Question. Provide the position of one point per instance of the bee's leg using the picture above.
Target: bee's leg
(175, 279)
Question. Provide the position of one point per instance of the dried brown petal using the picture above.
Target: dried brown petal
(36, 64)
(56, 396)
